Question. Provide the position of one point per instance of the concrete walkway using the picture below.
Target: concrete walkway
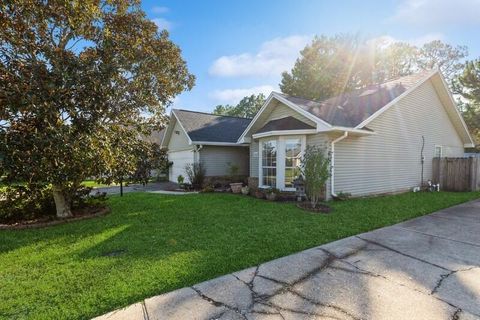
(152, 186)
(425, 268)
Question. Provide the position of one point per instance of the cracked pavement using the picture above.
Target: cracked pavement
(425, 268)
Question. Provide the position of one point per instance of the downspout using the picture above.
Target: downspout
(332, 163)
(197, 149)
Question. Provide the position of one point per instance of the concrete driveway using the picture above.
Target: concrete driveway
(425, 268)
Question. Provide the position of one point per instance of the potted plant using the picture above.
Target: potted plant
(180, 181)
(235, 186)
(245, 190)
(271, 194)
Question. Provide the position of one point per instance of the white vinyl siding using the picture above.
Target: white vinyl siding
(178, 140)
(279, 111)
(283, 111)
(389, 161)
(216, 159)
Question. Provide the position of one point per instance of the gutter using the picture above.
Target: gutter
(332, 163)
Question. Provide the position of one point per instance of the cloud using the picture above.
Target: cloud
(160, 10)
(233, 96)
(387, 40)
(162, 23)
(274, 57)
(437, 12)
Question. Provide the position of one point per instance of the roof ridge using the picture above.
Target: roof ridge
(423, 72)
(212, 114)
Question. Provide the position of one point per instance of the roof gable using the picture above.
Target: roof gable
(287, 123)
(352, 108)
(205, 127)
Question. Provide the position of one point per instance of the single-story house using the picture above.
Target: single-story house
(207, 139)
(380, 139)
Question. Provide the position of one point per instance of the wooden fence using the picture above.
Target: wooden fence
(457, 174)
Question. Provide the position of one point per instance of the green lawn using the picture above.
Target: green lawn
(168, 242)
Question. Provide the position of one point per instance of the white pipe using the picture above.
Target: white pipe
(332, 163)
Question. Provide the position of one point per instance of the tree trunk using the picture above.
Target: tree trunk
(62, 204)
(121, 188)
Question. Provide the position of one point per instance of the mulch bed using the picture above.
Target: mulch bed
(320, 208)
(82, 214)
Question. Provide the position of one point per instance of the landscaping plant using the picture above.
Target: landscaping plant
(196, 175)
(315, 168)
(76, 76)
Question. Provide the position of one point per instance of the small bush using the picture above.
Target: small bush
(208, 189)
(180, 179)
(25, 202)
(196, 174)
(33, 201)
(343, 195)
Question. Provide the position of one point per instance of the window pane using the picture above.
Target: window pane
(293, 148)
(269, 163)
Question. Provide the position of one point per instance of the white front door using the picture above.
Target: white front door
(279, 163)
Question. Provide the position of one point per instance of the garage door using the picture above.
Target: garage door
(180, 159)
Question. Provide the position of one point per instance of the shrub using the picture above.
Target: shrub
(208, 189)
(315, 170)
(343, 195)
(196, 174)
(33, 201)
(180, 179)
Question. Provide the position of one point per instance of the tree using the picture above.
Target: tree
(469, 83)
(447, 58)
(246, 108)
(74, 76)
(329, 66)
(315, 168)
(326, 67)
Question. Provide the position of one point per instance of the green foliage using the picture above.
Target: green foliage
(76, 77)
(329, 66)
(196, 174)
(343, 195)
(246, 108)
(469, 84)
(180, 179)
(26, 202)
(152, 158)
(315, 168)
(30, 201)
(171, 242)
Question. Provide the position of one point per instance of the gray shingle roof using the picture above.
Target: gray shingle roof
(211, 128)
(287, 123)
(352, 108)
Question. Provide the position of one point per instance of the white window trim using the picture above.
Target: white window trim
(435, 150)
(280, 160)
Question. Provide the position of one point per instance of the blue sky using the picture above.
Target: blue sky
(239, 48)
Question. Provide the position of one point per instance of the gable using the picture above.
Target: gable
(178, 140)
(421, 113)
(440, 94)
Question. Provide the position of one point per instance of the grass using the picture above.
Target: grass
(152, 244)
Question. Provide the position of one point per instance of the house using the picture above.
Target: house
(380, 139)
(207, 139)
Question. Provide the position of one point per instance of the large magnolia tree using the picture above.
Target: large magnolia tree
(74, 77)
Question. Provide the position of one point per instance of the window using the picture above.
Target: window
(269, 163)
(280, 161)
(293, 150)
(438, 152)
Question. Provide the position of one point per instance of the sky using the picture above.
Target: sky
(238, 48)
